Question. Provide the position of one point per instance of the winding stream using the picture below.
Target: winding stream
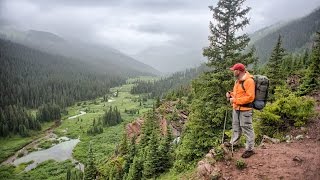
(58, 152)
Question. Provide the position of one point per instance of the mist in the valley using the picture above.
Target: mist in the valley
(166, 35)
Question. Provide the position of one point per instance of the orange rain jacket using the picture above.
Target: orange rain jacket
(242, 97)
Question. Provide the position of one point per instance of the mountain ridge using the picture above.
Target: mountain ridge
(101, 56)
(297, 35)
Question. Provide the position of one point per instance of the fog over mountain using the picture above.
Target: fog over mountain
(168, 35)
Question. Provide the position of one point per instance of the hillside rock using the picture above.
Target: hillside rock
(134, 128)
(163, 112)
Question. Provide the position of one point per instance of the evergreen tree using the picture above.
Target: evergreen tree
(123, 148)
(132, 152)
(225, 47)
(165, 151)
(135, 171)
(274, 71)
(148, 127)
(312, 80)
(158, 102)
(112, 117)
(151, 161)
(90, 170)
(254, 60)
(305, 59)
(209, 104)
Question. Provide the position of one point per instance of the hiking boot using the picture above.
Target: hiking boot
(247, 154)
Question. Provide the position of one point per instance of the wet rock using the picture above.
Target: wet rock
(299, 137)
(268, 139)
(289, 138)
(263, 146)
(298, 159)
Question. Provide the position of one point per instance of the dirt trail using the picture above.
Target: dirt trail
(299, 159)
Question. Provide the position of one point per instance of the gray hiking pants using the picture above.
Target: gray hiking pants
(242, 123)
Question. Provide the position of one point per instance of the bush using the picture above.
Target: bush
(240, 164)
(219, 154)
(20, 154)
(287, 111)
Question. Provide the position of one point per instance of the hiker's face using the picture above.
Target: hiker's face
(236, 73)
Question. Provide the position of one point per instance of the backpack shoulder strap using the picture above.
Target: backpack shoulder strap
(242, 84)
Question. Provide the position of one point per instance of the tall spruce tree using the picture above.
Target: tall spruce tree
(132, 152)
(151, 161)
(209, 103)
(274, 71)
(254, 59)
(135, 171)
(165, 151)
(90, 170)
(305, 59)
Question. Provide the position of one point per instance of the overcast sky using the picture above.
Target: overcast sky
(137, 27)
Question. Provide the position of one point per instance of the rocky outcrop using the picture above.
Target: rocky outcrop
(176, 125)
(134, 128)
(206, 168)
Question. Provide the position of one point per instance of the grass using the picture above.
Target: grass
(48, 170)
(46, 144)
(143, 78)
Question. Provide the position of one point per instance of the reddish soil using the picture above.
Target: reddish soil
(299, 159)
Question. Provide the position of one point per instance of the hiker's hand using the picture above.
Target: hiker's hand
(228, 95)
(231, 100)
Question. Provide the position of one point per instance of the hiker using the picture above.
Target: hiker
(241, 99)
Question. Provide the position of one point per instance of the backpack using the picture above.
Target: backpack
(261, 92)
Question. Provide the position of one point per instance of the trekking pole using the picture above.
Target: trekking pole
(232, 149)
(224, 126)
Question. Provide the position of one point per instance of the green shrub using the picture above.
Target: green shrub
(240, 164)
(45, 144)
(219, 154)
(288, 110)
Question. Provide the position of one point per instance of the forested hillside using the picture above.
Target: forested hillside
(31, 78)
(159, 88)
(297, 35)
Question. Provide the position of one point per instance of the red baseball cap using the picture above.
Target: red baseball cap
(238, 66)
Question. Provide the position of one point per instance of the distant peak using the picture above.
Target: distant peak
(43, 36)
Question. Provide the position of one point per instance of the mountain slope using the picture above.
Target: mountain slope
(102, 57)
(297, 35)
(31, 78)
